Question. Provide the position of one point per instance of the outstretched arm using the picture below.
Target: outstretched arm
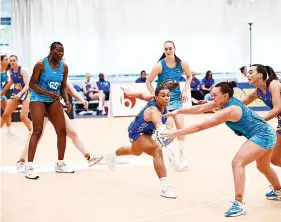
(195, 109)
(152, 114)
(72, 91)
(250, 97)
(228, 114)
(138, 95)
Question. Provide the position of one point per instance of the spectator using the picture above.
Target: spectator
(142, 78)
(207, 85)
(207, 82)
(195, 87)
(92, 92)
(104, 86)
(242, 76)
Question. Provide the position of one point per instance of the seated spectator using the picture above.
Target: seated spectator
(207, 84)
(92, 92)
(104, 86)
(142, 78)
(195, 87)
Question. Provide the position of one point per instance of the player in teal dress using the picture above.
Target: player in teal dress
(170, 66)
(261, 139)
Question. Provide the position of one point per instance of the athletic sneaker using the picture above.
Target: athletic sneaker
(167, 191)
(30, 173)
(176, 165)
(94, 159)
(273, 194)
(183, 160)
(63, 168)
(236, 209)
(20, 167)
(110, 160)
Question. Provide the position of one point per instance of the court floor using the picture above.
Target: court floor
(131, 192)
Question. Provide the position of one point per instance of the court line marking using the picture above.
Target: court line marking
(248, 181)
(180, 211)
(80, 165)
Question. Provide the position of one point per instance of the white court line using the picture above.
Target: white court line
(248, 181)
(180, 211)
(81, 165)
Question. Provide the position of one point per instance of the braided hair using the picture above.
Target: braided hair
(53, 46)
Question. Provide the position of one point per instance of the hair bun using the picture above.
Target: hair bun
(232, 84)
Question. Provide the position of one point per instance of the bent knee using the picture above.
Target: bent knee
(137, 153)
(263, 168)
(157, 151)
(5, 115)
(237, 162)
(61, 132)
(23, 117)
(37, 131)
(276, 161)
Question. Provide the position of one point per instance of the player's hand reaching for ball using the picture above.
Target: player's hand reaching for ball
(170, 135)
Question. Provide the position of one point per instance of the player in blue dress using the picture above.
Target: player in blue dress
(20, 95)
(244, 122)
(170, 66)
(268, 90)
(140, 133)
(48, 86)
(3, 81)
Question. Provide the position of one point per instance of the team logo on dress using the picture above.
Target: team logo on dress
(128, 102)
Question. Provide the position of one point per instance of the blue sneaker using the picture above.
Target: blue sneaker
(273, 194)
(236, 209)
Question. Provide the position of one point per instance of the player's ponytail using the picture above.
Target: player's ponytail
(271, 75)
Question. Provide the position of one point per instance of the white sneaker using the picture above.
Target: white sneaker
(175, 165)
(167, 191)
(63, 168)
(94, 159)
(110, 160)
(30, 173)
(20, 167)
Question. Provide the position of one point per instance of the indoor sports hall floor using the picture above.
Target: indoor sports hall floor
(131, 193)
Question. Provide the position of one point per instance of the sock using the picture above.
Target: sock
(9, 128)
(164, 180)
(29, 165)
(60, 162)
(87, 156)
(22, 160)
